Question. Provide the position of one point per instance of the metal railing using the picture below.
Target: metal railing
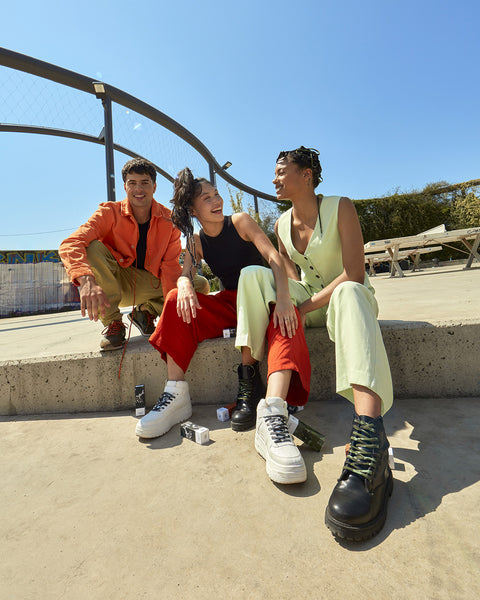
(108, 94)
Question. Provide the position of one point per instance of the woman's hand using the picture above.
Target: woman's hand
(187, 301)
(285, 317)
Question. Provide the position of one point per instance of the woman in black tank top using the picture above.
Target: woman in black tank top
(227, 244)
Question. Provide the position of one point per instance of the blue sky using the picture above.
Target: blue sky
(386, 90)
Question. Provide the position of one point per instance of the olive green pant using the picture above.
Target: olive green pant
(127, 286)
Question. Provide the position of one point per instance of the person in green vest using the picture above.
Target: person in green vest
(320, 238)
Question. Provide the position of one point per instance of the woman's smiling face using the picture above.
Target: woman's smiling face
(290, 179)
(207, 206)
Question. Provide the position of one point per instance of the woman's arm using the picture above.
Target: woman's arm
(290, 266)
(352, 255)
(187, 301)
(284, 315)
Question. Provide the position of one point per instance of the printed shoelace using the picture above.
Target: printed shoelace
(245, 388)
(163, 401)
(361, 457)
(277, 428)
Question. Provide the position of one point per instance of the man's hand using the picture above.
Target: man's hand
(93, 299)
(187, 301)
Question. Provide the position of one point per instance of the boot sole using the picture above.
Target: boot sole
(361, 533)
(279, 473)
(152, 432)
(110, 348)
(242, 426)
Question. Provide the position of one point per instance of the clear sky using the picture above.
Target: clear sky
(387, 90)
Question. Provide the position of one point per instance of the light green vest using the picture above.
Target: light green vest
(322, 261)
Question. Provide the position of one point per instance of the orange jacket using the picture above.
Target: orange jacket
(114, 225)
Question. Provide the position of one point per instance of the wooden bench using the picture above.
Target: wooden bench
(414, 254)
(437, 235)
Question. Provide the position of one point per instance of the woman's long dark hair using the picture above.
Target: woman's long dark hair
(186, 188)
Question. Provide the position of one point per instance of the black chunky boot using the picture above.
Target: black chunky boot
(250, 391)
(357, 508)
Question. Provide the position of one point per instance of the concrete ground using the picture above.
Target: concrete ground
(90, 511)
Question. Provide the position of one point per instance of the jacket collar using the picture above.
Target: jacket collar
(158, 210)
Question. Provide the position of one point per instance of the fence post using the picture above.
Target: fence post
(107, 134)
(212, 175)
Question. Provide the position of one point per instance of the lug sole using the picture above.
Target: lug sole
(279, 473)
(174, 419)
(242, 426)
(361, 533)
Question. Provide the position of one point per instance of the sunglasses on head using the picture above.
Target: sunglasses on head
(302, 152)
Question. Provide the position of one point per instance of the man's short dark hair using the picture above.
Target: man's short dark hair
(140, 166)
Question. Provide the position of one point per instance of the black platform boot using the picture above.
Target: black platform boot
(250, 391)
(357, 508)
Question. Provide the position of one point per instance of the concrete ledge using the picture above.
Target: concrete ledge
(427, 360)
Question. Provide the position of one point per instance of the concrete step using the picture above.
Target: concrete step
(427, 360)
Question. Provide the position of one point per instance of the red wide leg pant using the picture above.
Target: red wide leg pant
(290, 353)
(178, 339)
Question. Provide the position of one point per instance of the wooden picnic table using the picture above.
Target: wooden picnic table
(395, 245)
(413, 253)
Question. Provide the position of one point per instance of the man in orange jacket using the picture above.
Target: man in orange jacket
(126, 254)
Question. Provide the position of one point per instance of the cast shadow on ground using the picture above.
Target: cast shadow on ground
(444, 462)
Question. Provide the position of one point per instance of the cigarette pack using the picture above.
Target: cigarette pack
(139, 400)
(304, 432)
(196, 433)
(231, 407)
(228, 333)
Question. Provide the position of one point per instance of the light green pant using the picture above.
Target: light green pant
(350, 318)
(127, 286)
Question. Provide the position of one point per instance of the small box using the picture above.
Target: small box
(228, 333)
(391, 460)
(223, 414)
(139, 400)
(196, 433)
(304, 432)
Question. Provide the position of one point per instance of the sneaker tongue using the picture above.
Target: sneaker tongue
(275, 403)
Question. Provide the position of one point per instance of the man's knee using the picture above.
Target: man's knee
(97, 253)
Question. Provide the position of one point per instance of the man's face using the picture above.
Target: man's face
(140, 189)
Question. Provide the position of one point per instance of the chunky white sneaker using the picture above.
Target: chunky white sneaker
(173, 406)
(275, 444)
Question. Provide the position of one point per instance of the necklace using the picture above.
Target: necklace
(318, 211)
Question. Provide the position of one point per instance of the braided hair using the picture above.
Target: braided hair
(185, 189)
(306, 158)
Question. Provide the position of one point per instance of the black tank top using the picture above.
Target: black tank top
(227, 254)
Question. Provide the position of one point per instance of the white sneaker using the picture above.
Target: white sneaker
(275, 444)
(173, 406)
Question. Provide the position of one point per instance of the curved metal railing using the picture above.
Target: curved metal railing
(108, 94)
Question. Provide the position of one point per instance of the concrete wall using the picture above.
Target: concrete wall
(427, 361)
(32, 287)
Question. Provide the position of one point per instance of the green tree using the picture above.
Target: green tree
(266, 221)
(466, 211)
